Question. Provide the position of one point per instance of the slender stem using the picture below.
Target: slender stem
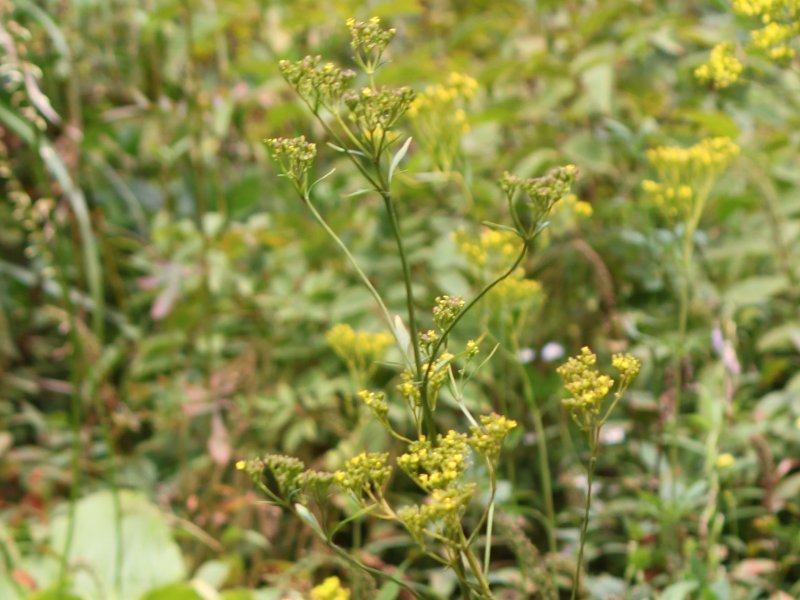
(684, 297)
(541, 447)
(461, 575)
(427, 412)
(475, 567)
(594, 441)
(464, 311)
(363, 276)
(487, 551)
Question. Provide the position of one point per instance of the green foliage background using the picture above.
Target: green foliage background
(173, 292)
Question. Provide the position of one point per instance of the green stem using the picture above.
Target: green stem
(541, 445)
(359, 271)
(463, 312)
(475, 567)
(595, 443)
(684, 298)
(427, 412)
(461, 575)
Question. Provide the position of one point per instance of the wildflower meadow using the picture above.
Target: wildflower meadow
(420, 299)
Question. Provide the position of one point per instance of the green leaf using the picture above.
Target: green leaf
(783, 337)
(679, 591)
(149, 556)
(755, 290)
(308, 517)
(177, 591)
(402, 335)
(399, 155)
(213, 572)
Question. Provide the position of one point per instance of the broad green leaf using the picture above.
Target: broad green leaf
(149, 556)
(177, 591)
(679, 591)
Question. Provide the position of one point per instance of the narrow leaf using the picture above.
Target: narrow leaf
(399, 155)
(308, 517)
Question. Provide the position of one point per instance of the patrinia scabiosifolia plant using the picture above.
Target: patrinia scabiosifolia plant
(685, 180)
(361, 118)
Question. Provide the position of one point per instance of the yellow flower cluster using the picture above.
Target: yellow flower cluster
(487, 439)
(294, 157)
(445, 310)
(627, 365)
(409, 389)
(364, 474)
(443, 513)
(317, 84)
(439, 117)
(539, 196)
(436, 467)
(767, 10)
(493, 248)
(438, 375)
(494, 251)
(686, 175)
(374, 111)
(359, 349)
(368, 40)
(589, 387)
(723, 69)
(330, 589)
(580, 208)
(773, 39)
(376, 402)
(516, 292)
(286, 471)
(438, 97)
(586, 384)
(712, 154)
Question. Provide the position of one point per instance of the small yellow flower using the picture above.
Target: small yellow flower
(725, 460)
(723, 68)
(240, 465)
(330, 589)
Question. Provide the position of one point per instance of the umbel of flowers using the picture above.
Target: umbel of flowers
(438, 117)
(686, 175)
(774, 39)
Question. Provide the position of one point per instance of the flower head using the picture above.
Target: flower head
(540, 195)
(369, 39)
(360, 349)
(446, 309)
(321, 85)
(586, 384)
(723, 68)
(686, 175)
(487, 439)
(295, 156)
(436, 467)
(365, 474)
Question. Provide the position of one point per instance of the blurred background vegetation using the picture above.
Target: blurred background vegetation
(164, 297)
